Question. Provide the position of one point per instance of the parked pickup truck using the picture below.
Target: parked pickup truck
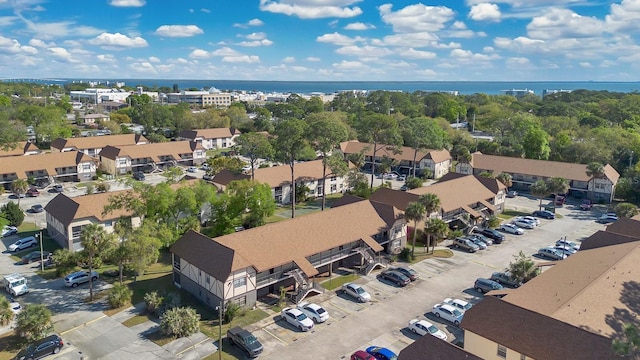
(245, 340)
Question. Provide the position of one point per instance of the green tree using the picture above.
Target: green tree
(220, 163)
(421, 134)
(431, 203)
(33, 322)
(377, 129)
(12, 213)
(143, 249)
(536, 144)
(19, 187)
(506, 179)
(289, 143)
(540, 190)
(556, 186)
(11, 133)
(487, 174)
(94, 239)
(436, 229)
(415, 212)
(6, 314)
(626, 210)
(254, 146)
(629, 344)
(180, 322)
(414, 182)
(523, 268)
(325, 135)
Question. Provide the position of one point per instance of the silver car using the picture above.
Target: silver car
(552, 253)
(79, 277)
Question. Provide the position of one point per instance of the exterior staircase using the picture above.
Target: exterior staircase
(371, 260)
(305, 286)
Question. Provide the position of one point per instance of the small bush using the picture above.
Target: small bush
(89, 189)
(230, 312)
(119, 295)
(493, 222)
(103, 187)
(153, 301)
(406, 255)
(171, 301)
(180, 322)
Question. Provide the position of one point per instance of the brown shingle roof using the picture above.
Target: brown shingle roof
(543, 168)
(532, 334)
(95, 142)
(216, 133)
(585, 289)
(153, 151)
(431, 348)
(225, 176)
(625, 226)
(21, 148)
(48, 162)
(606, 238)
(457, 193)
(493, 185)
(281, 175)
(67, 209)
(354, 146)
(283, 242)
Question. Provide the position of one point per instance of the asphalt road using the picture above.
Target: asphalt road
(383, 322)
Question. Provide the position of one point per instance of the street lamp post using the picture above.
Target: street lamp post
(41, 252)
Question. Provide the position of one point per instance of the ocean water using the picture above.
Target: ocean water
(329, 87)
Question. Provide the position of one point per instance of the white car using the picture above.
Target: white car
(390, 176)
(314, 311)
(532, 219)
(297, 318)
(356, 291)
(423, 327)
(23, 243)
(511, 229)
(568, 244)
(522, 223)
(448, 312)
(9, 230)
(15, 307)
(458, 304)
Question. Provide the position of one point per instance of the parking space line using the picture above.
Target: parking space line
(272, 334)
(485, 265)
(83, 325)
(347, 312)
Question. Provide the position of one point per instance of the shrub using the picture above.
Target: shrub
(180, 322)
(89, 190)
(414, 182)
(230, 312)
(154, 301)
(6, 315)
(34, 322)
(103, 187)
(12, 212)
(170, 301)
(65, 261)
(119, 295)
(493, 222)
(406, 255)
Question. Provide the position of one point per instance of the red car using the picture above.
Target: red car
(33, 192)
(362, 355)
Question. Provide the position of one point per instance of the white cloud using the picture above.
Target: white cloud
(127, 3)
(313, 59)
(179, 30)
(289, 60)
(412, 53)
(227, 54)
(350, 65)
(563, 23)
(359, 26)
(118, 40)
(256, 36)
(518, 62)
(485, 12)
(252, 22)
(248, 59)
(255, 43)
(154, 59)
(40, 44)
(199, 54)
(427, 73)
(339, 39)
(367, 50)
(460, 54)
(12, 46)
(420, 39)
(62, 54)
(206, 11)
(106, 58)
(312, 9)
(586, 65)
(143, 67)
(416, 18)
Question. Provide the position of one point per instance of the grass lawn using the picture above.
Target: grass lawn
(421, 254)
(27, 227)
(48, 245)
(508, 214)
(337, 282)
(9, 345)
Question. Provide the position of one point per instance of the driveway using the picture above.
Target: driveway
(383, 322)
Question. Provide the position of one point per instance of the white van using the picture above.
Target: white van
(15, 284)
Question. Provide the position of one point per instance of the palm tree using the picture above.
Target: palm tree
(6, 314)
(415, 212)
(431, 203)
(94, 239)
(540, 189)
(557, 185)
(19, 187)
(506, 179)
(439, 229)
(595, 170)
(626, 210)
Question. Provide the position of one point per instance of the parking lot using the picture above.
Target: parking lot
(384, 321)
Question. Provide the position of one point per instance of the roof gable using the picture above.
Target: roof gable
(432, 348)
(67, 209)
(152, 150)
(97, 142)
(281, 175)
(405, 153)
(199, 250)
(457, 193)
(48, 162)
(215, 133)
(21, 148)
(62, 208)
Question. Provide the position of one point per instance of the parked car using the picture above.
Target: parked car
(465, 244)
(402, 178)
(192, 169)
(207, 177)
(362, 355)
(15, 306)
(23, 243)
(479, 243)
(356, 291)
(297, 318)
(408, 272)
(545, 214)
(139, 175)
(41, 348)
(552, 253)
(423, 327)
(566, 243)
(586, 205)
(79, 277)
(390, 176)
(395, 277)
(493, 234)
(244, 339)
(381, 353)
(9, 230)
(35, 256)
(58, 188)
(458, 304)
(512, 194)
(531, 219)
(567, 250)
(314, 311)
(482, 238)
(505, 278)
(523, 224)
(19, 195)
(560, 200)
(485, 285)
(607, 218)
(37, 208)
(33, 192)
(448, 313)
(511, 229)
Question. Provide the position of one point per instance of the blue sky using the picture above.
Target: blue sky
(330, 40)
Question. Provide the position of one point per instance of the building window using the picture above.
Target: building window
(122, 162)
(108, 223)
(86, 167)
(240, 282)
(176, 262)
(208, 279)
(502, 351)
(523, 357)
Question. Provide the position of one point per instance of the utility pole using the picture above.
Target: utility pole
(631, 159)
